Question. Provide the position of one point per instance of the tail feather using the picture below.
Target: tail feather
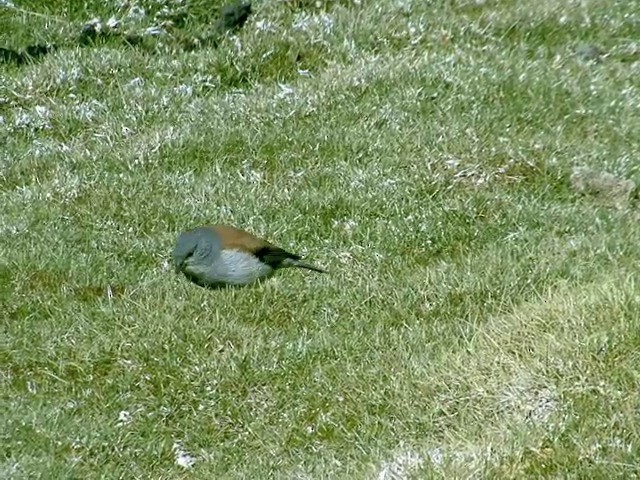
(291, 262)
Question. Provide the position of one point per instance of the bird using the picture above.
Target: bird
(217, 256)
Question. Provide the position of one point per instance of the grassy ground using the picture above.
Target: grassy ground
(481, 319)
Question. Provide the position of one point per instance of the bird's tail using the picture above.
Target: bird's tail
(293, 262)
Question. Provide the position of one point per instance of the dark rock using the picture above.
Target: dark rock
(8, 55)
(233, 16)
(36, 51)
(89, 32)
(31, 53)
(133, 39)
(95, 30)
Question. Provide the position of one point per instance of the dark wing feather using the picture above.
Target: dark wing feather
(274, 256)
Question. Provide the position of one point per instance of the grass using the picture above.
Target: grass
(480, 319)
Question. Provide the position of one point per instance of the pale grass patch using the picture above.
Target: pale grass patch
(182, 457)
(313, 23)
(505, 374)
(400, 467)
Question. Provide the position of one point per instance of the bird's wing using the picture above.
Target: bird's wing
(274, 256)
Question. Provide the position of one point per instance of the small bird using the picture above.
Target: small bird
(216, 256)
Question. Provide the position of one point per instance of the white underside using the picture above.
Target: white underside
(231, 267)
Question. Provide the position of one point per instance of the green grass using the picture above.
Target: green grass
(480, 320)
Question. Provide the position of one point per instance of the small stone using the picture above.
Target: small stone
(589, 53)
(113, 23)
(602, 185)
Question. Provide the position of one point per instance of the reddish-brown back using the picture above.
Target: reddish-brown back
(234, 238)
